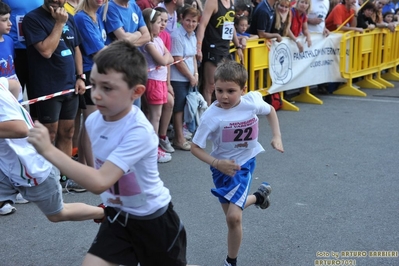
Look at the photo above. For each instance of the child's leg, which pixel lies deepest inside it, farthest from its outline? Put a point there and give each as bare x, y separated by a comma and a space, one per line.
91, 259
155, 112
251, 199
167, 110
234, 223
77, 212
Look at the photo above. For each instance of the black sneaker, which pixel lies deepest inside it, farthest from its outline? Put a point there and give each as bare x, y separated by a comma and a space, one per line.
264, 190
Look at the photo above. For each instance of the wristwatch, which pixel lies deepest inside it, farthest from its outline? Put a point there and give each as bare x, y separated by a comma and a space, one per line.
239, 46
81, 76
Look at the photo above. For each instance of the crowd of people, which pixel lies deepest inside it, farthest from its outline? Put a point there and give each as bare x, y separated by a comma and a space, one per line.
137, 61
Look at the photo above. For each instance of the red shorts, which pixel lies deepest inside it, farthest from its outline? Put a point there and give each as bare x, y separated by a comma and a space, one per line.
156, 92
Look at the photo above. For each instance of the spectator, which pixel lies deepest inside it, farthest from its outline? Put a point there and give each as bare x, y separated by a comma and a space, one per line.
143, 4
184, 74
243, 10
124, 21
7, 68
214, 33
388, 7
380, 23
92, 29
156, 93
23, 169
167, 108
263, 20
365, 15
282, 22
299, 21
197, 4
388, 17
18, 10
317, 15
241, 25
340, 14
171, 6
53, 42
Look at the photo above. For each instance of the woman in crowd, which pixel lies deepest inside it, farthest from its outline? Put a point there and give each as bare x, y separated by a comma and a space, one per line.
184, 75
91, 28
365, 16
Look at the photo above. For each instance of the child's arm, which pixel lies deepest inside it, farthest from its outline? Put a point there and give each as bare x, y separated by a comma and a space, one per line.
253, 37
14, 87
94, 180
228, 167
161, 60
13, 129
272, 118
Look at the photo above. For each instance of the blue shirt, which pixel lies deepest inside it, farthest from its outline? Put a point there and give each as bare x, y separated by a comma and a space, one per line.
93, 37
7, 68
183, 45
262, 18
19, 8
56, 73
129, 18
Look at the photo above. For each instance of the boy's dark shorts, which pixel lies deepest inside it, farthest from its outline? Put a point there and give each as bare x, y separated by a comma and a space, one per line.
158, 241
63, 107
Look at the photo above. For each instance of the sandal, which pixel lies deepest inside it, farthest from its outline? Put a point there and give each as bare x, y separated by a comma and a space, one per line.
185, 146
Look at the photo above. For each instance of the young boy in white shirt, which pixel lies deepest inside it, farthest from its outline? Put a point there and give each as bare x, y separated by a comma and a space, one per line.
25, 171
141, 225
231, 123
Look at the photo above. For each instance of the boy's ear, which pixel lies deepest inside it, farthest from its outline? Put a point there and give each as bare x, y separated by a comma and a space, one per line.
138, 91
244, 90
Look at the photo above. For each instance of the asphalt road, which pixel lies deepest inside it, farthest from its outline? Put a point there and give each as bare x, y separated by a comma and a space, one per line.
335, 191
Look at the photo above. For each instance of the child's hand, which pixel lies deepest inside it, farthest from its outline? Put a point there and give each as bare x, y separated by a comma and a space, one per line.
39, 137
227, 167
277, 144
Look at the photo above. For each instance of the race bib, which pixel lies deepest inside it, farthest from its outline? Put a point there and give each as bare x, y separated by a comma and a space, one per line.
228, 30
240, 135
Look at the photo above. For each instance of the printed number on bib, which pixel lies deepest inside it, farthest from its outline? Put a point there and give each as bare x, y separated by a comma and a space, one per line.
228, 30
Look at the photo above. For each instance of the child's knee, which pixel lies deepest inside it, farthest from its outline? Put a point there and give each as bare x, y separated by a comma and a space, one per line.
233, 219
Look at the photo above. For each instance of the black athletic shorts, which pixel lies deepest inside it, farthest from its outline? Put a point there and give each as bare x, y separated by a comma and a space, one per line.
63, 107
157, 241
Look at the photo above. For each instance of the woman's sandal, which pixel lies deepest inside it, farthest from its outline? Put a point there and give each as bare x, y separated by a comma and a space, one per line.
185, 146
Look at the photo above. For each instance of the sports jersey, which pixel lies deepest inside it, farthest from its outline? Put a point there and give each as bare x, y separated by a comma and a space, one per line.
234, 131
131, 144
19, 160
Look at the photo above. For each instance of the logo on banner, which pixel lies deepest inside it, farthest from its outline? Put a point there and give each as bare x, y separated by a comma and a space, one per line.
282, 64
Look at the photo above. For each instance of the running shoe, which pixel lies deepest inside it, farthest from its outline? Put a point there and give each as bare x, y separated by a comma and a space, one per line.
20, 200
7, 209
264, 190
166, 145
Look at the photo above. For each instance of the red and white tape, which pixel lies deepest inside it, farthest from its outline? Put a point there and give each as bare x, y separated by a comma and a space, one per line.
53, 95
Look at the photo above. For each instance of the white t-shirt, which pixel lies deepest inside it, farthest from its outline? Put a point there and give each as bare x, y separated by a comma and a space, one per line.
319, 8
234, 132
132, 145
19, 160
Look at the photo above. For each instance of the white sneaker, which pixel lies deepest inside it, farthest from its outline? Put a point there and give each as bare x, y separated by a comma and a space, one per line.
7, 209
20, 199
165, 145
163, 157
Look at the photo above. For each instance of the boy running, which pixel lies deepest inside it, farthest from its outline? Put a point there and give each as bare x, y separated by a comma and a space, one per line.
141, 225
231, 123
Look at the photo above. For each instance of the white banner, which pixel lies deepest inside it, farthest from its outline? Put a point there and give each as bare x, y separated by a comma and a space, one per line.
317, 64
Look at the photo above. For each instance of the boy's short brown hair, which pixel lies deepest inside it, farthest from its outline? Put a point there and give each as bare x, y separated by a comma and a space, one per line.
123, 57
229, 70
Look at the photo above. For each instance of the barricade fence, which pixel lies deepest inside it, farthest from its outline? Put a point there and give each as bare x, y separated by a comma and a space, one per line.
370, 58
